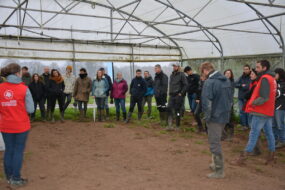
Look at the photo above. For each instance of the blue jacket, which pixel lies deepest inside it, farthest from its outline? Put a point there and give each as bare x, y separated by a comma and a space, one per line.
100, 88
217, 98
28, 99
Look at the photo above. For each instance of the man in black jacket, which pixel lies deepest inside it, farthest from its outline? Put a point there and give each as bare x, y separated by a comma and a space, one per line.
243, 86
193, 85
177, 90
137, 90
160, 93
45, 78
106, 76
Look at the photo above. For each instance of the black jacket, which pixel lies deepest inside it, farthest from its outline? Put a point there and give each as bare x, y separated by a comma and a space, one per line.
109, 82
160, 84
55, 88
193, 83
243, 80
138, 87
178, 84
280, 96
37, 90
45, 78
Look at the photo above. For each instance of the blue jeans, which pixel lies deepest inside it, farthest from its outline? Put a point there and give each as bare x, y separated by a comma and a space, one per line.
13, 157
279, 126
192, 101
120, 104
242, 115
258, 123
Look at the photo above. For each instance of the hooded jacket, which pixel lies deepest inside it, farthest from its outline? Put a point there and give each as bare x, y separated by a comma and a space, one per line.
242, 90
178, 83
217, 98
138, 87
82, 89
149, 84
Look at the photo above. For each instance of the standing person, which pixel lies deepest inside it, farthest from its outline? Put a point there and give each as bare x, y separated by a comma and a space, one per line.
137, 90
56, 88
37, 89
198, 111
69, 82
109, 80
216, 105
82, 89
229, 129
15, 103
119, 90
243, 86
160, 93
193, 86
26, 76
149, 93
177, 90
261, 106
279, 118
100, 87
46, 76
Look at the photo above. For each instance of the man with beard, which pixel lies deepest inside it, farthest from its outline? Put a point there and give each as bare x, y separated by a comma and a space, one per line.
177, 90
82, 89
26, 76
243, 86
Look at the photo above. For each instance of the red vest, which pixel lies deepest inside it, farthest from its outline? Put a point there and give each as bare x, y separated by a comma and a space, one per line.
268, 107
13, 115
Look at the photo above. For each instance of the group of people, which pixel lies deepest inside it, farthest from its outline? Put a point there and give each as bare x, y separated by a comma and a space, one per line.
261, 99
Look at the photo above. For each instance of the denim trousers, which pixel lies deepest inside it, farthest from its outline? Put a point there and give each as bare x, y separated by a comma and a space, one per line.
120, 103
192, 101
14, 150
242, 115
258, 123
279, 126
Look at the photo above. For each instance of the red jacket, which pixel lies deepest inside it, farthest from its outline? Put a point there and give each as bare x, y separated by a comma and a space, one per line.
13, 115
119, 89
268, 107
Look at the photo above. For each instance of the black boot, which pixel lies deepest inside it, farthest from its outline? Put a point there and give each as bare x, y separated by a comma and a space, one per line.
125, 116
118, 116
218, 167
62, 116
129, 117
48, 115
178, 118
100, 115
52, 117
140, 116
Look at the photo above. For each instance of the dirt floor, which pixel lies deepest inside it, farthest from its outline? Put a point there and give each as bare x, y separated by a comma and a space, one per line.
88, 156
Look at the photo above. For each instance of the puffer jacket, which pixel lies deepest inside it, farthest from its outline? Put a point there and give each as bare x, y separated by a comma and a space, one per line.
217, 98
178, 84
69, 82
100, 88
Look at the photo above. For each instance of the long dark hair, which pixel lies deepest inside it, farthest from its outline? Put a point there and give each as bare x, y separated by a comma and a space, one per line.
281, 73
33, 77
232, 74
53, 70
10, 69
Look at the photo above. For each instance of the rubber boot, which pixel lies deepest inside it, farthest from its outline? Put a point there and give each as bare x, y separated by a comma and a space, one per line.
177, 121
129, 117
212, 166
117, 116
231, 133
100, 115
140, 116
107, 114
48, 115
270, 158
240, 161
169, 123
125, 116
218, 167
62, 117
52, 117
85, 114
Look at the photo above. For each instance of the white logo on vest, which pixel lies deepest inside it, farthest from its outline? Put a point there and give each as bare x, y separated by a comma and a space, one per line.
8, 94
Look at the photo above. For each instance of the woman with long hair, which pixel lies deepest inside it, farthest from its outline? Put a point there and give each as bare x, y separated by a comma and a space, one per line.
279, 117
16, 103
100, 87
229, 129
37, 89
56, 88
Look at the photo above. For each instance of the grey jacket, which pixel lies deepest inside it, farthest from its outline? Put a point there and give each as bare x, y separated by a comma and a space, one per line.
178, 84
29, 103
217, 98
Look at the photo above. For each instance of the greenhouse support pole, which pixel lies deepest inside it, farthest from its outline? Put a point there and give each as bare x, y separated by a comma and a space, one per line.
73, 54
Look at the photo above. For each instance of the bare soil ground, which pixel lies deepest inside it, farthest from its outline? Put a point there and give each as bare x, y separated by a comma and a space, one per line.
88, 156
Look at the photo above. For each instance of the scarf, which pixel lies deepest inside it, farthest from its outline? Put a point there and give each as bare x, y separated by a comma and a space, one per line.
58, 79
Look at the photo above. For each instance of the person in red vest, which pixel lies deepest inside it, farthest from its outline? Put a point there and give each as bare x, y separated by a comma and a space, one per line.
15, 103
261, 106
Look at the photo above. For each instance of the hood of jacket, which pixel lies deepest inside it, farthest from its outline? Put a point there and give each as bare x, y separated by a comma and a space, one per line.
217, 75
14, 79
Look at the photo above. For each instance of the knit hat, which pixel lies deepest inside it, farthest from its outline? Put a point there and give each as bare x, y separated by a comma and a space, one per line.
69, 67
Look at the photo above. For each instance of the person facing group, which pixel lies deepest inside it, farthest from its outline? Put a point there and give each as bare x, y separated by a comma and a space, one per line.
16, 103
81, 93
100, 90
119, 90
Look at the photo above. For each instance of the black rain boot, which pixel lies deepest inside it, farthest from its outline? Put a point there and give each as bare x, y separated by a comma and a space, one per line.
218, 167
129, 117
140, 116
62, 117
100, 115
169, 123
52, 117
125, 116
117, 116
178, 118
